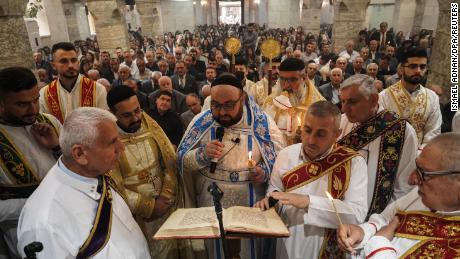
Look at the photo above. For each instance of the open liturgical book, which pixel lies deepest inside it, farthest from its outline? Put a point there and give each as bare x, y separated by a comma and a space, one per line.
238, 221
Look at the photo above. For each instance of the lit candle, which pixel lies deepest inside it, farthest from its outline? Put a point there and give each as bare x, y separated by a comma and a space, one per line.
251, 163
333, 205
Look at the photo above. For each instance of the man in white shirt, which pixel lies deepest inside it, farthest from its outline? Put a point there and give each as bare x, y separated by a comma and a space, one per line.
71, 89
410, 100
29, 147
76, 211
425, 222
131, 63
300, 178
349, 53
387, 142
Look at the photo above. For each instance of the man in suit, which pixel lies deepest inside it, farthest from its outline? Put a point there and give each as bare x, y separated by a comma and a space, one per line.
194, 107
330, 91
374, 54
150, 85
182, 81
383, 37
312, 73
178, 104
357, 67
198, 65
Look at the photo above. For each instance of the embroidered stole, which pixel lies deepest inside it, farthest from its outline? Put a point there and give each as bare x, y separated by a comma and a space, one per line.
87, 98
391, 128
439, 235
337, 165
100, 232
18, 169
412, 110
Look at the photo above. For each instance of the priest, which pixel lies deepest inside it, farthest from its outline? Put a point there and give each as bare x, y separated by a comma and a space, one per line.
290, 99
249, 136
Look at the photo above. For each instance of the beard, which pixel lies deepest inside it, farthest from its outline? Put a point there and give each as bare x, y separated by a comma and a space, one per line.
132, 128
227, 120
415, 80
25, 120
70, 74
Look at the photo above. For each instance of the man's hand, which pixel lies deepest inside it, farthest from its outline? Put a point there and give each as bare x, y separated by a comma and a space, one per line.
214, 149
45, 135
388, 231
349, 235
262, 204
257, 176
162, 206
297, 200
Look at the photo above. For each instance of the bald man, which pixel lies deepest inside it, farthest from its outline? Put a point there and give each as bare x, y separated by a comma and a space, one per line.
178, 103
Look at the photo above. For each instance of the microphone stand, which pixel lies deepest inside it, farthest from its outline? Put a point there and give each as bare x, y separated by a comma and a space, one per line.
31, 249
217, 194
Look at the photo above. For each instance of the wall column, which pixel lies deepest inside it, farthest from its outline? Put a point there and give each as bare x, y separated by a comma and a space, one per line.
110, 24
13, 35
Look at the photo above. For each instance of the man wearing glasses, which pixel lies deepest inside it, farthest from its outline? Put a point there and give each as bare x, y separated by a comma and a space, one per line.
425, 222
146, 170
291, 97
247, 130
409, 99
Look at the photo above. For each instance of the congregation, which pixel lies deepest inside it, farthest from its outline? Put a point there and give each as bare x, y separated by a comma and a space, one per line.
100, 148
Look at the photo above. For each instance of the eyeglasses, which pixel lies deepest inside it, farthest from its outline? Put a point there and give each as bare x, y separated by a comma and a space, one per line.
423, 174
228, 106
288, 79
415, 66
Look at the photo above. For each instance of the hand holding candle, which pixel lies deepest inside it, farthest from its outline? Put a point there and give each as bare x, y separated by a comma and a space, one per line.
251, 163
333, 205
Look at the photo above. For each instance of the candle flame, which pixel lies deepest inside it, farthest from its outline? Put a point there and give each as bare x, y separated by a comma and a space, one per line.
329, 195
299, 120
250, 155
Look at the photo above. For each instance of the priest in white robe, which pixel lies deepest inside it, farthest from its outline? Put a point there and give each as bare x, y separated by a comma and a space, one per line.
425, 222
77, 212
412, 101
247, 130
29, 148
387, 142
290, 99
302, 175
71, 89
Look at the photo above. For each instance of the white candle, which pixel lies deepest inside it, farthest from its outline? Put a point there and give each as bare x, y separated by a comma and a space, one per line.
333, 205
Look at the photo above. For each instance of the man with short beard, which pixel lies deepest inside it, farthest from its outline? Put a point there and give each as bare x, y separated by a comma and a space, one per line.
71, 89
246, 129
291, 97
29, 141
412, 101
148, 154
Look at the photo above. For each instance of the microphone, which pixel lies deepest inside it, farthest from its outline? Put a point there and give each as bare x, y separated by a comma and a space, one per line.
219, 135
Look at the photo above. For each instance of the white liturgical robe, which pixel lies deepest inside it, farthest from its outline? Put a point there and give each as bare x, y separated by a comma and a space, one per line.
371, 152
430, 111
61, 213
373, 244
69, 101
40, 160
306, 227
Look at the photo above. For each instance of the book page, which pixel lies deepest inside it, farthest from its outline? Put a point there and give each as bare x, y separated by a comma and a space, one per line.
190, 223
247, 219
192, 218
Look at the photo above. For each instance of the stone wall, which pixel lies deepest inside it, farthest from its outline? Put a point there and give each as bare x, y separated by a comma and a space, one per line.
311, 15
56, 20
440, 57
177, 15
349, 16
149, 11
283, 14
13, 35
77, 20
110, 24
